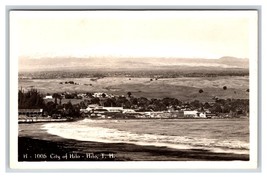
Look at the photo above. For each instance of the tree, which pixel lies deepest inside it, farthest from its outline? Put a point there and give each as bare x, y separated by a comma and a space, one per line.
57, 96
109, 102
166, 101
83, 105
143, 101
129, 94
95, 101
200, 91
226, 108
206, 105
32, 99
225, 87
103, 95
69, 96
196, 104
127, 104
134, 101
121, 101
89, 95
216, 108
71, 110
50, 108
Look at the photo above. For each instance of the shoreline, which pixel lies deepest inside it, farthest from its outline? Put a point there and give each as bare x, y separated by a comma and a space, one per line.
30, 120
35, 144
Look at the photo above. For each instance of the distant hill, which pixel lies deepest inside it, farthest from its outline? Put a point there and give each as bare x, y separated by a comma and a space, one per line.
70, 63
231, 61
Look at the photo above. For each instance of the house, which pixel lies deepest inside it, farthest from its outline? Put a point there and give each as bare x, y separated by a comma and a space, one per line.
190, 114
201, 115
97, 110
48, 97
177, 114
91, 107
113, 109
128, 111
156, 114
100, 95
31, 112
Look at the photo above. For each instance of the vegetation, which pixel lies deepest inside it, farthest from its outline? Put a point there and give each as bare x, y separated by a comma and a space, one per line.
34, 100
31, 99
168, 73
129, 94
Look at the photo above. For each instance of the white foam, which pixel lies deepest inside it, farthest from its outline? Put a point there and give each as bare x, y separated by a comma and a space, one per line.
83, 132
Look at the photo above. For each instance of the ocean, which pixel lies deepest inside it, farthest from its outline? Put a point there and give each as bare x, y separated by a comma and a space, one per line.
215, 135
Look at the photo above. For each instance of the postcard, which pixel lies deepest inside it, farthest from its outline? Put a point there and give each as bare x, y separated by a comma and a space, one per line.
133, 89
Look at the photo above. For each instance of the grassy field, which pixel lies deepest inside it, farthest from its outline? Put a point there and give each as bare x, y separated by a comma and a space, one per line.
185, 89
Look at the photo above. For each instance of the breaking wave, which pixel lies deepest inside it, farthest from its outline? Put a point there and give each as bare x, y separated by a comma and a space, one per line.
83, 131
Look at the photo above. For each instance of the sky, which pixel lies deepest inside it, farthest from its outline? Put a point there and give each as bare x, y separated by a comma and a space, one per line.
187, 34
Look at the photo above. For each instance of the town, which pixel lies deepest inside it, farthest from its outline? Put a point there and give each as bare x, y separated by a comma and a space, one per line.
66, 106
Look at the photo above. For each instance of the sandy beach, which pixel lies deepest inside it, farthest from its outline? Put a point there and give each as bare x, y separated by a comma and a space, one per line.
35, 144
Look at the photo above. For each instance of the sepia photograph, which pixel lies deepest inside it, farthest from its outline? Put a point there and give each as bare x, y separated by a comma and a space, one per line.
139, 86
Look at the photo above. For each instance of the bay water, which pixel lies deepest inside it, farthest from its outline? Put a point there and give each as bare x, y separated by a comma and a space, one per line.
215, 135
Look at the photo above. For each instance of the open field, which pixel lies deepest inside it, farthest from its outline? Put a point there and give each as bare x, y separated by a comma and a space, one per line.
184, 88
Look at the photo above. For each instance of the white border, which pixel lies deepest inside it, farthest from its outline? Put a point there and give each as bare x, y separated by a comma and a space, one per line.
252, 164
144, 2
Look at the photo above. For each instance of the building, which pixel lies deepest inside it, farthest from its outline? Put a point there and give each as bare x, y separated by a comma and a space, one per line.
128, 111
177, 114
113, 109
91, 107
190, 114
48, 97
156, 114
94, 107
201, 115
99, 111
195, 114
31, 112
100, 95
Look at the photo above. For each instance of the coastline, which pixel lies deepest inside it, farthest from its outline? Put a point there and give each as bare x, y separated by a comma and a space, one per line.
35, 144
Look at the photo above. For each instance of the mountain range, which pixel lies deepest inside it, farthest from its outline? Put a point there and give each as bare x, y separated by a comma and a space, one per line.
111, 63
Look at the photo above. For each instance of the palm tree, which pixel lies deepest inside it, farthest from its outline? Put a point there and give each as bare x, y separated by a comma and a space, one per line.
56, 96
60, 99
